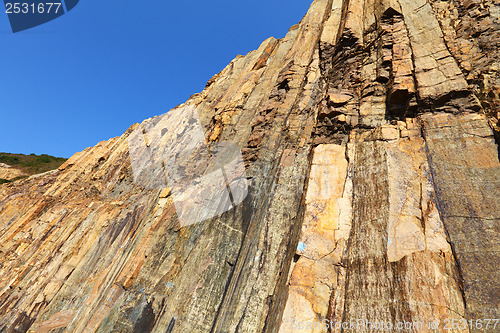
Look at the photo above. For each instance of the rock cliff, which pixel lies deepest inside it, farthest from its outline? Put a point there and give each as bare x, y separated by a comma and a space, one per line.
369, 136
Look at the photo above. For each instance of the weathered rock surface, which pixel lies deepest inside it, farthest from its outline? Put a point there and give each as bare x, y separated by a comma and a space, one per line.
9, 173
370, 139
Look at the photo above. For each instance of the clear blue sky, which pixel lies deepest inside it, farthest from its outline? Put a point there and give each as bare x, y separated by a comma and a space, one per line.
90, 74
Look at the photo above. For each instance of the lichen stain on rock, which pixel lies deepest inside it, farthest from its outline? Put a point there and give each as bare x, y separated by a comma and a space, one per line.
368, 136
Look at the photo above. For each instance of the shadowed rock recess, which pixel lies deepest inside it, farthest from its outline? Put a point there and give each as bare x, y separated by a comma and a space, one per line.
368, 135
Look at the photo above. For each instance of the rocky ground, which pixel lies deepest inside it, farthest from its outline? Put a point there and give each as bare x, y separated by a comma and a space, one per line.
18, 166
368, 134
8, 172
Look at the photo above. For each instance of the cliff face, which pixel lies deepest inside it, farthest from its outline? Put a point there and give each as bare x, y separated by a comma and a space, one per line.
368, 137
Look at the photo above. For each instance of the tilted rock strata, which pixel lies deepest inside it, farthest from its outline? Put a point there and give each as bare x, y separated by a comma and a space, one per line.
368, 134
8, 172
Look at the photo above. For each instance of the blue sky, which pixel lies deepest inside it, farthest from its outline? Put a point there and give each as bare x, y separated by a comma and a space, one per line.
90, 74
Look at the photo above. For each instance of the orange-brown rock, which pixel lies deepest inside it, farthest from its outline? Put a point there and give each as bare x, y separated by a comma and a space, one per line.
8, 172
369, 136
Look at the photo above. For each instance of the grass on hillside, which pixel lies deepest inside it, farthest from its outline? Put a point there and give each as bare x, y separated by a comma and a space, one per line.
3, 181
31, 164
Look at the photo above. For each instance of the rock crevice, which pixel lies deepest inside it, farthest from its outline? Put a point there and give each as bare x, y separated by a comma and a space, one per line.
368, 139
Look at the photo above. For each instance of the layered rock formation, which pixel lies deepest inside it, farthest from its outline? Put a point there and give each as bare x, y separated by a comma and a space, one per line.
368, 136
8, 172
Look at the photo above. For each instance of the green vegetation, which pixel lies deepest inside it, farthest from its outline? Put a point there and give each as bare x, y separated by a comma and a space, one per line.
31, 164
3, 181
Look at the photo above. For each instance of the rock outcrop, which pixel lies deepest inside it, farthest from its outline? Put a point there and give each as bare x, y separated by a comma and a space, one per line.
9, 173
369, 135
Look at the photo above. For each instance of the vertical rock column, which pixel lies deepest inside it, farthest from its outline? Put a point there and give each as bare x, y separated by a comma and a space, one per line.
466, 171
318, 269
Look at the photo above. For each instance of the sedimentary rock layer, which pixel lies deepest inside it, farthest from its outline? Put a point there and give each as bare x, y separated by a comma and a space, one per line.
368, 136
9, 173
